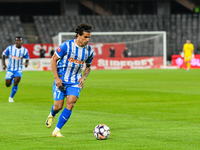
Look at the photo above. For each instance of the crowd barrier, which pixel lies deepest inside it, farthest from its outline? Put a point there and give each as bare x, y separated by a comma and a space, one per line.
43, 64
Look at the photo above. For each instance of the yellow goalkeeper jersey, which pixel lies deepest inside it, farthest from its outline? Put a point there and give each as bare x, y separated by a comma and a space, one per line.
188, 49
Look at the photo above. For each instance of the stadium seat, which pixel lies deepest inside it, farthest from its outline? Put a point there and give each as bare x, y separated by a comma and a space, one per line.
10, 27
179, 27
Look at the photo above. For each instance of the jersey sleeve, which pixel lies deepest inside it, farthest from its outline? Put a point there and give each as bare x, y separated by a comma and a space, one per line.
61, 50
90, 58
26, 54
184, 46
6, 51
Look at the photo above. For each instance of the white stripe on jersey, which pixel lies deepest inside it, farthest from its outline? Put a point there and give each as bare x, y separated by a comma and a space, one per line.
16, 64
12, 60
65, 57
69, 63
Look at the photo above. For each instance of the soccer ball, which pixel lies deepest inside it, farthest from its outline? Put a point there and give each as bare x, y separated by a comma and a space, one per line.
101, 132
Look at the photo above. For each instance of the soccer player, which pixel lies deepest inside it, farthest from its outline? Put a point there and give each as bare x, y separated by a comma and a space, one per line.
15, 54
188, 51
67, 63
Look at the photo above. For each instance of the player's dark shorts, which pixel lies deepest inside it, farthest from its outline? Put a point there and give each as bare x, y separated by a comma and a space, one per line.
12, 74
69, 89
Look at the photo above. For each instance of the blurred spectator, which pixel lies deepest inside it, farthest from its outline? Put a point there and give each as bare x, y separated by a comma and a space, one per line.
112, 51
42, 52
52, 51
126, 52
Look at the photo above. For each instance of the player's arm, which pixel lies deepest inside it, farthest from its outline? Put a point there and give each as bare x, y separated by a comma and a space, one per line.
193, 53
4, 62
54, 60
183, 52
26, 63
85, 74
87, 71
26, 58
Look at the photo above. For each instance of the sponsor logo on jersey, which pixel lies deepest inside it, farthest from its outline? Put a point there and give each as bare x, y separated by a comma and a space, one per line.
15, 57
75, 61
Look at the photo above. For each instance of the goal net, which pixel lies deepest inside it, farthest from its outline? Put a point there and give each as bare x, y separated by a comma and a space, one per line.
148, 45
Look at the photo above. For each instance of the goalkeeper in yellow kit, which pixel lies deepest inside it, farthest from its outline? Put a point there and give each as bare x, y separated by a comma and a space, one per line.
188, 51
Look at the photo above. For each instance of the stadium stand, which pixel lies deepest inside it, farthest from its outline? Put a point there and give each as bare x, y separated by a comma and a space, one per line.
10, 26
178, 27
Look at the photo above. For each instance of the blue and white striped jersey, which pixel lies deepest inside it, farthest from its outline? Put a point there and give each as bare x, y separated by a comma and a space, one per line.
72, 58
15, 56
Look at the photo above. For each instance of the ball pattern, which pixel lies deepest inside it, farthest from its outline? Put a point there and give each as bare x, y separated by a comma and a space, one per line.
101, 132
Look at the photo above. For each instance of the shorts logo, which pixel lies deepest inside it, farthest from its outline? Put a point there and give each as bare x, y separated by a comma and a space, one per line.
59, 49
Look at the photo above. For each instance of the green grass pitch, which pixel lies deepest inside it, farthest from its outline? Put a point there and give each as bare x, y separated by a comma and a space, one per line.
145, 110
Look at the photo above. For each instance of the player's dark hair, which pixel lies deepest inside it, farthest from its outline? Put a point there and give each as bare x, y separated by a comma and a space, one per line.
18, 37
83, 27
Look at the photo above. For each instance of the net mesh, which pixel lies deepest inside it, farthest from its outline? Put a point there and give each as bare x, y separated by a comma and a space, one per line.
138, 45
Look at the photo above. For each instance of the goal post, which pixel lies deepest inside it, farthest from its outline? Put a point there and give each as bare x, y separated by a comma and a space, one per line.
141, 44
